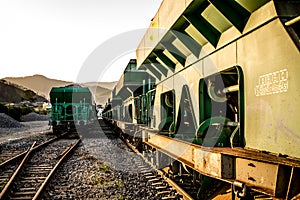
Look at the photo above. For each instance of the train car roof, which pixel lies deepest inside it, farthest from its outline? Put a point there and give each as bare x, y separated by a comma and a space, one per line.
185, 31
131, 80
69, 89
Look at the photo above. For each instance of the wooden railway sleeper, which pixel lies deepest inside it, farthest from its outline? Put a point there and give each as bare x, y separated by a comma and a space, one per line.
32, 181
157, 184
155, 180
15, 174
170, 197
26, 189
143, 168
35, 172
161, 188
29, 193
34, 178
162, 193
21, 198
147, 174
150, 177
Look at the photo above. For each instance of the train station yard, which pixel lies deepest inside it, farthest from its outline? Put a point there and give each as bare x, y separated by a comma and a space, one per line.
207, 109
101, 167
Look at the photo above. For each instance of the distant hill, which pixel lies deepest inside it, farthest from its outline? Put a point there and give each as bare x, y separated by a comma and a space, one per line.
38, 83
42, 86
12, 93
106, 85
101, 94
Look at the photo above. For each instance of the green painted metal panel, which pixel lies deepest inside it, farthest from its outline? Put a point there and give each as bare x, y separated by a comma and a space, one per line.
233, 11
188, 41
180, 57
156, 73
252, 5
135, 76
159, 66
59, 95
216, 18
167, 61
70, 103
131, 65
205, 28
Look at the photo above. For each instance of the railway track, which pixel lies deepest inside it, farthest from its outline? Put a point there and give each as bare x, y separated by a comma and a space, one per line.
26, 175
163, 187
157, 179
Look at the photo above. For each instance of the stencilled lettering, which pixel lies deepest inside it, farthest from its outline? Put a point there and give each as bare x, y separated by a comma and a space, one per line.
272, 83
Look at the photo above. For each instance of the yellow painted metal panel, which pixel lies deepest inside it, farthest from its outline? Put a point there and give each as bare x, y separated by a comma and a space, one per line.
180, 46
169, 12
223, 59
164, 19
216, 18
140, 53
180, 82
192, 75
271, 69
168, 84
170, 56
196, 35
265, 13
187, 2
230, 34
251, 5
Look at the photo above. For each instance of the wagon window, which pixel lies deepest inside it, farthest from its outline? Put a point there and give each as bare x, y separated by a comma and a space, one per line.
167, 112
220, 107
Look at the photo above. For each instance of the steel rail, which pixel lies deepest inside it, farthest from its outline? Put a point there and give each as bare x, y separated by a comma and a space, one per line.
184, 194
20, 155
26, 155
12, 178
48, 178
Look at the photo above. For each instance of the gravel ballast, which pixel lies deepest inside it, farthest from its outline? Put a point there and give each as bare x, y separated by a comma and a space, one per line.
34, 117
8, 122
100, 168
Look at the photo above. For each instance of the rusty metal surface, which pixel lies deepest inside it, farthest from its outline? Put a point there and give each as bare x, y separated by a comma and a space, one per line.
163, 141
266, 173
257, 173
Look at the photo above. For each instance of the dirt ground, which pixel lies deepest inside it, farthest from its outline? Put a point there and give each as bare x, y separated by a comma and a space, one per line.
30, 129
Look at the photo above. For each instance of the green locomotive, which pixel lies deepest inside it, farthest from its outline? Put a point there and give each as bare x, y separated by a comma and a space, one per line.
71, 106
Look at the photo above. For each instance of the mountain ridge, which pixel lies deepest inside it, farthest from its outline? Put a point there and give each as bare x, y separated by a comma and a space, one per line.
13, 93
42, 86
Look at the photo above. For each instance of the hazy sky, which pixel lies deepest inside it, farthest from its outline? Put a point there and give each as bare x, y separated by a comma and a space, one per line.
56, 37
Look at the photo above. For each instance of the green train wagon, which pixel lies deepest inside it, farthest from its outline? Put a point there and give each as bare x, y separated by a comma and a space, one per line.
71, 106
